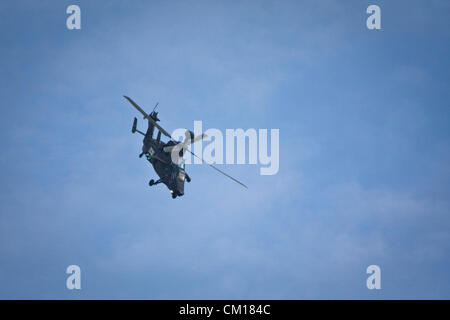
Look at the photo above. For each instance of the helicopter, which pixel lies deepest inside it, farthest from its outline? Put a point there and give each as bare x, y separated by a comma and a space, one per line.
167, 157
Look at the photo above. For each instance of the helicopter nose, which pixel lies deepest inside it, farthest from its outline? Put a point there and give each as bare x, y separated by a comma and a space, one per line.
180, 188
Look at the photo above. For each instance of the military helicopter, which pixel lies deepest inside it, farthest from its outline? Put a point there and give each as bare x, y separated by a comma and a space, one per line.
167, 157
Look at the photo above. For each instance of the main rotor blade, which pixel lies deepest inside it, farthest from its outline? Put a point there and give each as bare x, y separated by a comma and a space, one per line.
136, 106
190, 139
198, 138
187, 141
146, 116
217, 169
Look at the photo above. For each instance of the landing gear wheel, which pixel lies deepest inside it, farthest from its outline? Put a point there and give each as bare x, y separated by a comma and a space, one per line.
174, 195
152, 182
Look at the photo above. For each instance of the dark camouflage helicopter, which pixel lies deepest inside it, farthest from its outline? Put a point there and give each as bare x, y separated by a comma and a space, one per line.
167, 157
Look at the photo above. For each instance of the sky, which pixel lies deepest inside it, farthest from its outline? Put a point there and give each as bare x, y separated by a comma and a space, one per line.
363, 117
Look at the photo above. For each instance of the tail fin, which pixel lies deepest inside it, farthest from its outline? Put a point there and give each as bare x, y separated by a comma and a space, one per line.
133, 129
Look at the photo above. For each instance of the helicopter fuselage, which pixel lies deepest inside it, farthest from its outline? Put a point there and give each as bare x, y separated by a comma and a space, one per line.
169, 173
159, 153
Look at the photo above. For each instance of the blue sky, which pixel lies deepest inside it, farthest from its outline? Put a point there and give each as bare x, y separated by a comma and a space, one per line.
364, 149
